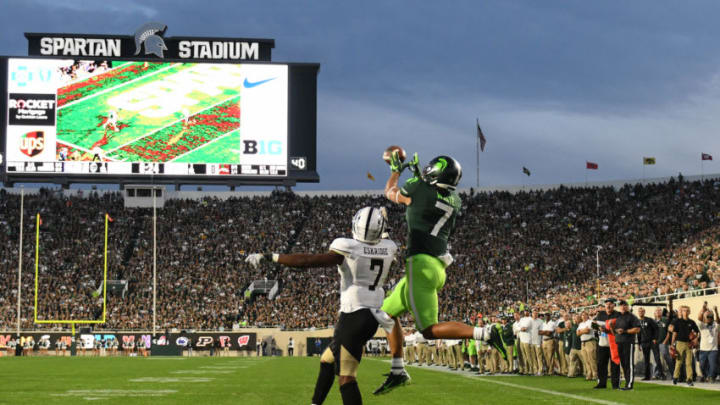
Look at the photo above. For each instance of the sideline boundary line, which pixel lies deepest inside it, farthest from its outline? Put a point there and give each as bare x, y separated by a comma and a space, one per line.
518, 386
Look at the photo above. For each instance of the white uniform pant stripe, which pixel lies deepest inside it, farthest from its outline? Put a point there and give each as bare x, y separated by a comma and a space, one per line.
416, 314
631, 378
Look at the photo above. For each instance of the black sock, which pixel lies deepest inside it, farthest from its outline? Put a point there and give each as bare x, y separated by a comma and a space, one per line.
324, 382
351, 393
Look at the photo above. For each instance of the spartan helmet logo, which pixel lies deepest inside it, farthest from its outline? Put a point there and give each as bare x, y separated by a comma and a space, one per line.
150, 35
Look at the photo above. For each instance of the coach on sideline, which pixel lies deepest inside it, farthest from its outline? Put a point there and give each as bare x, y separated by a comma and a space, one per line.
603, 356
627, 326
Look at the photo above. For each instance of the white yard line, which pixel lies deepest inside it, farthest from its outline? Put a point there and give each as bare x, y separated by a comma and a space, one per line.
117, 87
170, 124
518, 386
544, 391
84, 150
74, 146
202, 146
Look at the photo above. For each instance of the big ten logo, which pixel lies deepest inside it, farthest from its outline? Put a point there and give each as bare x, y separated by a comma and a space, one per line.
243, 340
4, 340
252, 147
204, 341
225, 341
106, 338
145, 341
23, 76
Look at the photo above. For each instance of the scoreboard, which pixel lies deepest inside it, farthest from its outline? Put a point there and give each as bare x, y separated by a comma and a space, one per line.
154, 120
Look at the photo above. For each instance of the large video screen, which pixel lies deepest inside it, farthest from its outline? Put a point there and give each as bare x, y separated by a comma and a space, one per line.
128, 118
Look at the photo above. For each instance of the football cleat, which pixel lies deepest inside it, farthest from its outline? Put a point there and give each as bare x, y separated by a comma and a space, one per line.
392, 381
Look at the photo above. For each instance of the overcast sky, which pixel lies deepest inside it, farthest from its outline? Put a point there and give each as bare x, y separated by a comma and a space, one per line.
553, 83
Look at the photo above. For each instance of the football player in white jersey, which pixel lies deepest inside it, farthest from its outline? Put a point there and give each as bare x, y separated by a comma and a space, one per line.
363, 263
111, 122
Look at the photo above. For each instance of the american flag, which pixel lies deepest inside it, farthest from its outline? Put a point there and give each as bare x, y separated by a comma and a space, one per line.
481, 136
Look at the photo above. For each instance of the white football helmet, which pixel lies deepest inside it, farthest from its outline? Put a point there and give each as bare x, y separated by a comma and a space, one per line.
368, 225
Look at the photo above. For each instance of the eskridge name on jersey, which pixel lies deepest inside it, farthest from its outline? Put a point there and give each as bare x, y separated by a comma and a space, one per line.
363, 272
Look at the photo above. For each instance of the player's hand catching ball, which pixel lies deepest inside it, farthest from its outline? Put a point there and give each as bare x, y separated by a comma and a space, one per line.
395, 156
413, 164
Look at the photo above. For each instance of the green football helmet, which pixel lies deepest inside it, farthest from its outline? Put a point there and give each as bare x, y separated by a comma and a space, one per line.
443, 172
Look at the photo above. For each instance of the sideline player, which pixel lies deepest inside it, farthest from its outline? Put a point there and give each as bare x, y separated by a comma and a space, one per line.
111, 123
432, 207
363, 263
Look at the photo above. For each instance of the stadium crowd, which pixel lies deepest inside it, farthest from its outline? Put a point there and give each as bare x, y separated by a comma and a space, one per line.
528, 249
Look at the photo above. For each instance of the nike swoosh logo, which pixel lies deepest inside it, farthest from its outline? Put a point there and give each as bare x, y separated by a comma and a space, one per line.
248, 85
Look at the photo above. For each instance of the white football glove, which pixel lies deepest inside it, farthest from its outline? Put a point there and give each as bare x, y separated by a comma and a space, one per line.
254, 259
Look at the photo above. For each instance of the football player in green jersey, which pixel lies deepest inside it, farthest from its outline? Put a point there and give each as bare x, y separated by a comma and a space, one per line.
432, 208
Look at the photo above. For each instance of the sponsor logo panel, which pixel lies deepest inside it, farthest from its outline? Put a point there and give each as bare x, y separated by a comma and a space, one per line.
31, 109
30, 143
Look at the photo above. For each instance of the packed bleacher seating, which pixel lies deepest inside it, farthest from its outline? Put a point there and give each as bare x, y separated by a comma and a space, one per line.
534, 247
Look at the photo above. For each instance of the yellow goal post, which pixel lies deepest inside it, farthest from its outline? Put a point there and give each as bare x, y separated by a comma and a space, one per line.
37, 262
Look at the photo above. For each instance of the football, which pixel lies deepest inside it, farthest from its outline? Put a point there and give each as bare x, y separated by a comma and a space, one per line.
388, 152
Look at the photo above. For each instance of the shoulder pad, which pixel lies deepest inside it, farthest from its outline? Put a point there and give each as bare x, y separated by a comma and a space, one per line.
343, 246
389, 244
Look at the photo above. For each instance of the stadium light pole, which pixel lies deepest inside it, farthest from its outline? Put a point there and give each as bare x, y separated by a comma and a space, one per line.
20, 249
154, 260
597, 268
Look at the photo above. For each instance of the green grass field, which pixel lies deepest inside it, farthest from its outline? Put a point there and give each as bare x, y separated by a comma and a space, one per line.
204, 380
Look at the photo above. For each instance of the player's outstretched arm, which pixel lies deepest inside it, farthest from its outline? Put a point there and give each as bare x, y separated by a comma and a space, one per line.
297, 259
392, 191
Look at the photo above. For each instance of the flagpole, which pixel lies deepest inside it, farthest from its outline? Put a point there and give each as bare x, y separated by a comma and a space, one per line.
643, 170
702, 169
22, 213
477, 160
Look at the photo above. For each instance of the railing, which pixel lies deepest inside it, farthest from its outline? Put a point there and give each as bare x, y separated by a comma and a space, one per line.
664, 297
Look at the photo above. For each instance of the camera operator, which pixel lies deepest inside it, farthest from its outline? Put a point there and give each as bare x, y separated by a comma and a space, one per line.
648, 342
603, 357
627, 326
681, 328
708, 353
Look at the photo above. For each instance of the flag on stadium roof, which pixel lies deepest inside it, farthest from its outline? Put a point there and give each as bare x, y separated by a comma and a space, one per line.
526, 170
705, 156
648, 160
370, 176
591, 165
481, 136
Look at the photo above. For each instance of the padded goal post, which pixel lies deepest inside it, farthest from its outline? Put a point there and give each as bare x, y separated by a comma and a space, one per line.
104, 282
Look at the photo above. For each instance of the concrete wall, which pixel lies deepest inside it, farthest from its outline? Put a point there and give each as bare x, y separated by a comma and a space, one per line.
223, 195
695, 304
